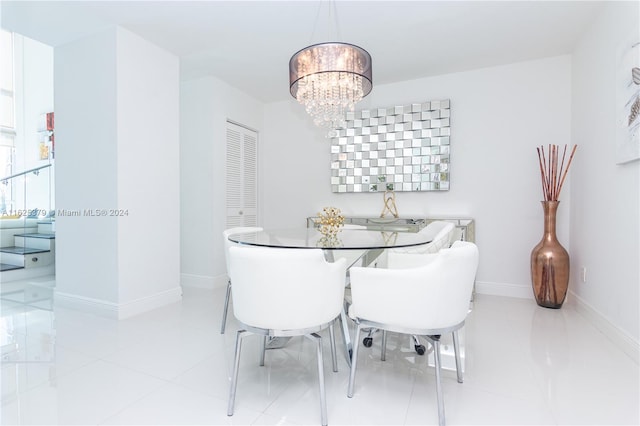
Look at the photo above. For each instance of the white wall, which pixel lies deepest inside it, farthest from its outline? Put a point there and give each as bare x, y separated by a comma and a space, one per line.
117, 124
605, 219
498, 117
148, 171
205, 106
86, 160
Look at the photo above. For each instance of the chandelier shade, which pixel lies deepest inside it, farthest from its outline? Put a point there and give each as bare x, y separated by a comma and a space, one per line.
329, 79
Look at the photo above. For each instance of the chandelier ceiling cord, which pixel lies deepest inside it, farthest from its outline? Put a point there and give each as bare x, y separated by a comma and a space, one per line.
328, 79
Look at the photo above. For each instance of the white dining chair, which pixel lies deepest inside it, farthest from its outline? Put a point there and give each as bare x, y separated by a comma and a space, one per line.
441, 234
427, 301
280, 292
228, 243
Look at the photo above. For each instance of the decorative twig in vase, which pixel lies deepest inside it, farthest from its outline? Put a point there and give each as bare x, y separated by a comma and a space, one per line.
549, 260
552, 177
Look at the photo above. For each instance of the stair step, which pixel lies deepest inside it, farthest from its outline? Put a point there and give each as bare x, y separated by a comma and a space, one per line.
25, 273
29, 257
42, 241
7, 267
22, 250
46, 227
38, 235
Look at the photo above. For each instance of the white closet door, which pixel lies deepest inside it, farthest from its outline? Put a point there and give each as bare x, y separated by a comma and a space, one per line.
241, 176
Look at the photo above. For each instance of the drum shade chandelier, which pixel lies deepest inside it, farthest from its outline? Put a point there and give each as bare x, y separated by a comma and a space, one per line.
328, 79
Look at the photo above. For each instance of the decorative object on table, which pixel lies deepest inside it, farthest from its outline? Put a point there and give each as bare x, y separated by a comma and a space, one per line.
329, 241
389, 198
628, 100
549, 260
330, 221
403, 148
329, 79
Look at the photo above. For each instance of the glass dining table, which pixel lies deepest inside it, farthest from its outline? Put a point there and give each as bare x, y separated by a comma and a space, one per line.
356, 245
346, 239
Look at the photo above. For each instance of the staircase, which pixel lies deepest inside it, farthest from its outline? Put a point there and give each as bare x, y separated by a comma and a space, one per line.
32, 253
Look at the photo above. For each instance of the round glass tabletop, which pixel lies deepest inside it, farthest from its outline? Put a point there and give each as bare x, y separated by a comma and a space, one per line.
346, 239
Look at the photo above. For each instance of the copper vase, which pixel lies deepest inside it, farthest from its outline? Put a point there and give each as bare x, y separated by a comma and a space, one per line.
550, 263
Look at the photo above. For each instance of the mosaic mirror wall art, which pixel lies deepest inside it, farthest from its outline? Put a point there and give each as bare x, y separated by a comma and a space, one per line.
402, 148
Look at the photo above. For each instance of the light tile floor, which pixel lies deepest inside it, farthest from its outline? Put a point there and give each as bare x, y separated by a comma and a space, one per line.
524, 365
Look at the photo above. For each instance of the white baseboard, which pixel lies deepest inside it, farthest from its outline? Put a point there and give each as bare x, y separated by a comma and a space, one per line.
117, 310
203, 281
602, 323
503, 289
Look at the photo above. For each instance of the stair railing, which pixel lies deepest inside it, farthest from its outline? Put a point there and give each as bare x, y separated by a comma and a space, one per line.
35, 171
24, 196
26, 203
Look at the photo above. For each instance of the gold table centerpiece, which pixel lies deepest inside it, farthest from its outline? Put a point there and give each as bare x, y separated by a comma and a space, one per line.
330, 221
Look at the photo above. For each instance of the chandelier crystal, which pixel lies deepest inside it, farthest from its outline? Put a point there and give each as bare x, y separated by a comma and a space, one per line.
328, 79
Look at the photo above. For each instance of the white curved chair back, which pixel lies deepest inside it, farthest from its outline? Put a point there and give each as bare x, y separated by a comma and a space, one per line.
228, 244
441, 233
285, 289
433, 296
408, 260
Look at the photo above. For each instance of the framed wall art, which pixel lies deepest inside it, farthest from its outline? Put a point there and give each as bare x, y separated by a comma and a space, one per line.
628, 101
401, 148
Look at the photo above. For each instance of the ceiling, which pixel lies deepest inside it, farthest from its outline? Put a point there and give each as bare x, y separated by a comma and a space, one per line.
248, 44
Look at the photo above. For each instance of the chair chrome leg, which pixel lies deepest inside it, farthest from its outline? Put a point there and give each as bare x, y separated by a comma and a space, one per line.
263, 350
383, 355
234, 375
226, 308
344, 320
323, 399
436, 355
332, 337
354, 361
456, 351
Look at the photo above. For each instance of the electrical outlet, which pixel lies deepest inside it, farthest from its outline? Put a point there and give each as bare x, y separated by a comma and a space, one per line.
583, 274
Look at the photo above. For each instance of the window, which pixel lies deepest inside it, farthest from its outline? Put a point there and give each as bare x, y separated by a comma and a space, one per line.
6, 80
7, 119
